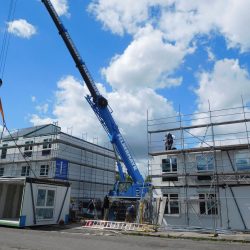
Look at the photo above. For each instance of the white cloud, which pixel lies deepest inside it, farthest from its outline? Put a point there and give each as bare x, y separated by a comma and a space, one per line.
224, 86
21, 28
130, 112
234, 22
180, 20
161, 40
33, 98
147, 62
36, 120
61, 7
210, 54
120, 16
192, 18
42, 108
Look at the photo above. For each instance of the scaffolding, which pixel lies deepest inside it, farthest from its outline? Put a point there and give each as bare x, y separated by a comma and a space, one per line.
213, 153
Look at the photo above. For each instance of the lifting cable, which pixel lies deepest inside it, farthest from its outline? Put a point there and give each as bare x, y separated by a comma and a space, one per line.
6, 39
20, 151
13, 139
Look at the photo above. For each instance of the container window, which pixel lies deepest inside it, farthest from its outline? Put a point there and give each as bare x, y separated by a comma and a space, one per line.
41, 195
45, 204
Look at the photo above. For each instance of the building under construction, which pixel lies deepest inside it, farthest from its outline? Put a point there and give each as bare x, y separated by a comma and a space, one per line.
46, 152
204, 174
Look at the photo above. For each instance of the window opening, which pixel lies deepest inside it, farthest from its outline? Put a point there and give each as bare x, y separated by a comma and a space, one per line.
205, 162
4, 151
172, 204
47, 143
45, 204
46, 147
208, 204
169, 165
44, 170
28, 148
1, 171
242, 160
25, 171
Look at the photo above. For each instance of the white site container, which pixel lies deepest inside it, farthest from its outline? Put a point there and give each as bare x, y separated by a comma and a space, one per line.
31, 202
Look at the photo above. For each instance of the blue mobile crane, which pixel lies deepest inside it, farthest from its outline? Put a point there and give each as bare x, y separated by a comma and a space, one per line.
122, 189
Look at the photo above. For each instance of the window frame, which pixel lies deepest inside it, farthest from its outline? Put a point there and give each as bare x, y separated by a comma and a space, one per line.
47, 143
171, 164
245, 155
208, 161
210, 205
45, 206
171, 200
46, 170
2, 169
27, 171
28, 148
4, 151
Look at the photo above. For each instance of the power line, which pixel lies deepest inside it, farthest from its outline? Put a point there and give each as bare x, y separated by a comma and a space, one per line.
6, 39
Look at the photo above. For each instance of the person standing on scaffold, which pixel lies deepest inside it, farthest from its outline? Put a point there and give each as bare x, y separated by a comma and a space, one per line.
169, 140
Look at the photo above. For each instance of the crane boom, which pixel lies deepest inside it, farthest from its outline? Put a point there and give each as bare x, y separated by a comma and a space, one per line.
98, 103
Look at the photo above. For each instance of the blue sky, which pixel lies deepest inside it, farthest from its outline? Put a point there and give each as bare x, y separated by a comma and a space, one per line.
153, 55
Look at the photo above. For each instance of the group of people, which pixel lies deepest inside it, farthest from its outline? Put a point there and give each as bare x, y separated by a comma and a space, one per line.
108, 212
92, 209
130, 211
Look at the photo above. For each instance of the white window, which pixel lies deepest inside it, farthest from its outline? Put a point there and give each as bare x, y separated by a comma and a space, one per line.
25, 171
242, 160
169, 165
45, 204
44, 170
205, 162
172, 204
208, 204
1, 171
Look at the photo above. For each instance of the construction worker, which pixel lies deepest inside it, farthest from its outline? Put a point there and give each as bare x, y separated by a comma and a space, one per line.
169, 141
91, 209
72, 210
130, 214
105, 208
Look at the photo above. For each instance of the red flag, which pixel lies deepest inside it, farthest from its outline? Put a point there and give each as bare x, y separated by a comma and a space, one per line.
1, 110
